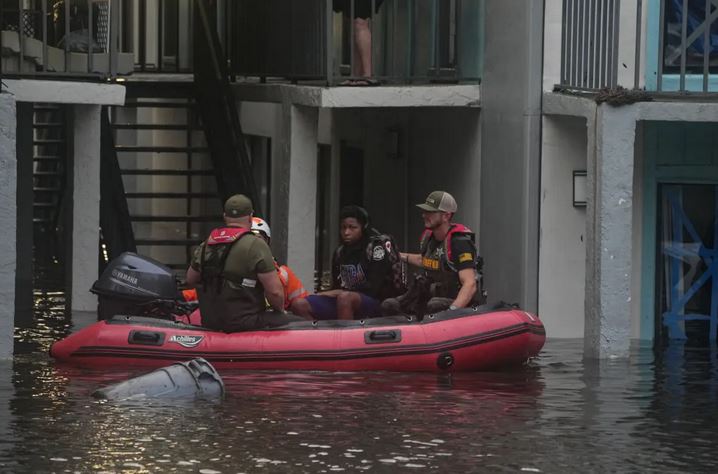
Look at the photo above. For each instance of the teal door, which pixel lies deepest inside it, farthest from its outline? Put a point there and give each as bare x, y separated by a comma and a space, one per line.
687, 266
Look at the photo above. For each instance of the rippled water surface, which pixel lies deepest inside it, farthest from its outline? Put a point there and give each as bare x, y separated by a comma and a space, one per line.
559, 414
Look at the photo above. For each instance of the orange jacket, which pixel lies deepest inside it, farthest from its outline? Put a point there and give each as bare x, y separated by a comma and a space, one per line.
190, 295
293, 288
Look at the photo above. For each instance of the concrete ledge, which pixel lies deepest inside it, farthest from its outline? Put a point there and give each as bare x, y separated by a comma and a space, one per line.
658, 110
65, 92
677, 111
464, 95
573, 106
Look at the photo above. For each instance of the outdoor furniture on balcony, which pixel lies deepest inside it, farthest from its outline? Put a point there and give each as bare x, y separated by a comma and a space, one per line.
61, 37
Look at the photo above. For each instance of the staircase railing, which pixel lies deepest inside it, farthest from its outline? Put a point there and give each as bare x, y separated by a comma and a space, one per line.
117, 234
218, 109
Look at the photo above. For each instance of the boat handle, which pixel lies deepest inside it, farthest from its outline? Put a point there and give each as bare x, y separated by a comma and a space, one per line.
379, 337
146, 338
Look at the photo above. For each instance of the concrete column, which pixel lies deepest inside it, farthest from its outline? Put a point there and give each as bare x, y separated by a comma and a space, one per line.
608, 253
86, 204
302, 202
8, 223
25, 227
510, 150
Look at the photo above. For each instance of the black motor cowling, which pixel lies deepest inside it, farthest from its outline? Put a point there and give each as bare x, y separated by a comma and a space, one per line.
135, 285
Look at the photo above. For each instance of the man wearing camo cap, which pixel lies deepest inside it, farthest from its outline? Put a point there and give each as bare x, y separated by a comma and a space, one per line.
448, 259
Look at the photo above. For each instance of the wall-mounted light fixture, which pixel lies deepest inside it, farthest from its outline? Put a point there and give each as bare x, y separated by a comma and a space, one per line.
579, 188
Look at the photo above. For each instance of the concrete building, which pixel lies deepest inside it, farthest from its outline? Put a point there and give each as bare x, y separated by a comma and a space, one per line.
571, 199
645, 163
50, 107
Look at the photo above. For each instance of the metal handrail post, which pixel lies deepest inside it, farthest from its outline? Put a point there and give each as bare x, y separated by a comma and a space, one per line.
329, 53
44, 35
67, 32
89, 37
661, 36
20, 35
160, 34
706, 46
114, 12
639, 24
684, 46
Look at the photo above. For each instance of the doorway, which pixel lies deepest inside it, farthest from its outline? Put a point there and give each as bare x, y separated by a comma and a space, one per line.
687, 263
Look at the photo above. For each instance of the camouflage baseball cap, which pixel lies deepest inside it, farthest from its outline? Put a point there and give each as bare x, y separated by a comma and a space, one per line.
238, 205
439, 201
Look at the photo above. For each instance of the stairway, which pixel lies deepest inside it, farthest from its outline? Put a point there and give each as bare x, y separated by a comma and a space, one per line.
49, 158
169, 182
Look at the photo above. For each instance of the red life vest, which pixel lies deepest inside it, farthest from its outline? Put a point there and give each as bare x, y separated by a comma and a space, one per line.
454, 229
226, 235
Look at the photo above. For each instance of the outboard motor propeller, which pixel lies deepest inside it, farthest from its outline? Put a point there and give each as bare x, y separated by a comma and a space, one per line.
194, 379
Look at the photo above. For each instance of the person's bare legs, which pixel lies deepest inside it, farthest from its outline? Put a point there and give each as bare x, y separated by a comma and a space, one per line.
362, 45
301, 307
348, 303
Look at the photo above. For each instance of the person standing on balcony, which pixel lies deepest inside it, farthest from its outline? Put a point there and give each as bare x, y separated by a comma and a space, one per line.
235, 274
451, 267
362, 59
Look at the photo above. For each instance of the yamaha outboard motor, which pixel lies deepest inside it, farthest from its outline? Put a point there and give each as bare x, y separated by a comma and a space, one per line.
136, 285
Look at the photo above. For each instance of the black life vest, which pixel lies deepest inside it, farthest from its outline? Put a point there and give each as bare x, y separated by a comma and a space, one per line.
442, 272
222, 299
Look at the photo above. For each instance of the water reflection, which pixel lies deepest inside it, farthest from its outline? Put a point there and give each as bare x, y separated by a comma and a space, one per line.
559, 414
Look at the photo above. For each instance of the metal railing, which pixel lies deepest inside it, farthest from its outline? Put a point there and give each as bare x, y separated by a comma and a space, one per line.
688, 46
165, 28
411, 40
589, 49
61, 38
681, 53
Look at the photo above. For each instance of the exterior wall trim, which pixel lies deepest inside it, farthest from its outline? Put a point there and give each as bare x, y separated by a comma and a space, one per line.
65, 92
462, 95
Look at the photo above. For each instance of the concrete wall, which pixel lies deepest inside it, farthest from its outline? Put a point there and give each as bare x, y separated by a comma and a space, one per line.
8, 222
552, 43
86, 204
562, 252
510, 150
407, 154
437, 149
265, 120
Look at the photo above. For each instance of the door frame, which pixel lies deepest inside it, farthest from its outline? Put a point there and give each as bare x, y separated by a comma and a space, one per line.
653, 175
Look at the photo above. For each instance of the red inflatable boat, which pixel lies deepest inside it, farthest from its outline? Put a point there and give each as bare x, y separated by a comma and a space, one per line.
459, 340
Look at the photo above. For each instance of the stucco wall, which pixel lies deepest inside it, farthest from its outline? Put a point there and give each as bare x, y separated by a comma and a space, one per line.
562, 251
8, 222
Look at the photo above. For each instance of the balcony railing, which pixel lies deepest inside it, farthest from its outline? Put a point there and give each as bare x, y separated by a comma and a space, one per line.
602, 45
295, 40
307, 40
590, 41
62, 38
688, 46
411, 40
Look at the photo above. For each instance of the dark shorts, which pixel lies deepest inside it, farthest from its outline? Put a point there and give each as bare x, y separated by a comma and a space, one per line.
325, 307
362, 8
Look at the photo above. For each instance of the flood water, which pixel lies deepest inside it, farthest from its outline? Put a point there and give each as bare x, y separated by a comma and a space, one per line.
656, 412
